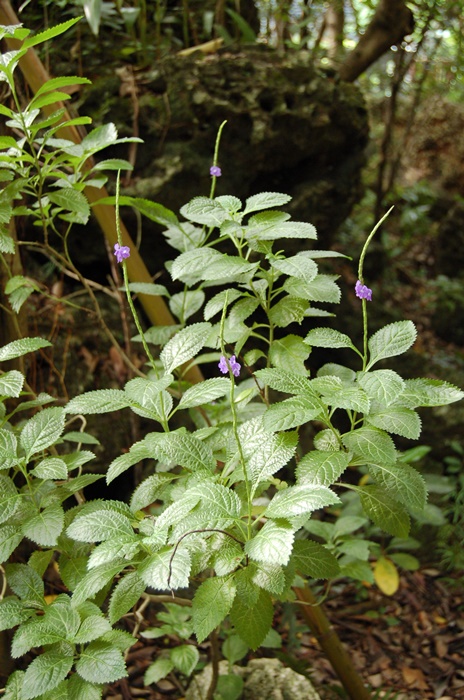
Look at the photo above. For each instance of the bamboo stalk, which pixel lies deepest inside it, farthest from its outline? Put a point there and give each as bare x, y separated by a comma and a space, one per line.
36, 75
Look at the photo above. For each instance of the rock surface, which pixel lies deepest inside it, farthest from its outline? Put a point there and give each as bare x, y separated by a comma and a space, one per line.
289, 128
264, 679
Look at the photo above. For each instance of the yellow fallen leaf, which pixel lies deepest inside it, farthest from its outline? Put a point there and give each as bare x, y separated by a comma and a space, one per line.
386, 576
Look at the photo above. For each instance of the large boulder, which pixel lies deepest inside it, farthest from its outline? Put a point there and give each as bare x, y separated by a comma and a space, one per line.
263, 679
289, 128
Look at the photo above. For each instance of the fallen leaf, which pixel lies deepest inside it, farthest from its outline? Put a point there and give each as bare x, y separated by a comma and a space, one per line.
414, 678
386, 576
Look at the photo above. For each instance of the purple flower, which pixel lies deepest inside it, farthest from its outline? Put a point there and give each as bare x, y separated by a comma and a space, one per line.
362, 291
215, 171
121, 252
224, 365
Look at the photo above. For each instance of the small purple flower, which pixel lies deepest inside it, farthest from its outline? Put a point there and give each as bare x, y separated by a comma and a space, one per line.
121, 252
215, 171
224, 365
363, 292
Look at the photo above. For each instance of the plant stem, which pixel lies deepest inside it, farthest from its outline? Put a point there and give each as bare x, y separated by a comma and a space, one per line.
331, 645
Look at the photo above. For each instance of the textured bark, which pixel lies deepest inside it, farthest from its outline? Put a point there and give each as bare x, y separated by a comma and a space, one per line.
392, 21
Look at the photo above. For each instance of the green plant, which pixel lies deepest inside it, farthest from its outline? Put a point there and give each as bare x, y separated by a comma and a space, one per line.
211, 512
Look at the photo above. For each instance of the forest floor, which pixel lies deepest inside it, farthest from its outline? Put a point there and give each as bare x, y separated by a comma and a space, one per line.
409, 646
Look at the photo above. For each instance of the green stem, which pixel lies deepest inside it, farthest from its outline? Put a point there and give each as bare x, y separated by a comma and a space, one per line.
215, 157
126, 283
360, 278
233, 409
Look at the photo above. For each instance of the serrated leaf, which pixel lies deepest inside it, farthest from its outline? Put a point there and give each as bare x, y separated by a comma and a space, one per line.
189, 266
148, 288
10, 499
113, 164
185, 658
8, 446
206, 391
166, 570
18, 348
81, 437
403, 481
321, 288
14, 686
51, 468
73, 201
109, 550
125, 595
92, 628
358, 570
61, 82
284, 381
330, 369
100, 662
313, 560
296, 500
188, 451
328, 338
384, 510
371, 444
291, 413
290, 309
79, 689
45, 673
34, 634
177, 511
383, 386
401, 421
296, 266
327, 440
157, 670
252, 622
265, 200
11, 383
48, 34
61, 618
393, 339
6, 244
347, 524
26, 583
10, 537
42, 430
222, 505
185, 304
428, 392
386, 576
99, 401
286, 229
99, 526
95, 580
154, 211
227, 266
184, 345
211, 603
203, 210
290, 351
12, 613
322, 467
72, 570
147, 491
273, 454
216, 304
272, 544
270, 577
45, 527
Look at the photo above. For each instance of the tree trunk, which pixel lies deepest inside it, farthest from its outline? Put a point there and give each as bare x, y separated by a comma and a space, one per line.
392, 21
